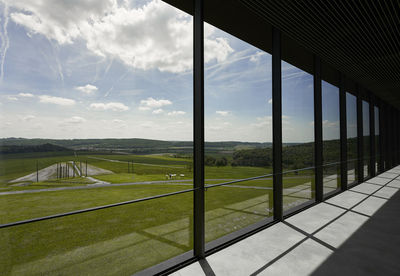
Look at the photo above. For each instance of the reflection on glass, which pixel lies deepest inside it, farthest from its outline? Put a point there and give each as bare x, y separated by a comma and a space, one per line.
366, 140
238, 134
377, 149
297, 136
331, 137
103, 107
115, 241
351, 118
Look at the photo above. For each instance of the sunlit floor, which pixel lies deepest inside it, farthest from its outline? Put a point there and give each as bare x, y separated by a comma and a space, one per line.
354, 233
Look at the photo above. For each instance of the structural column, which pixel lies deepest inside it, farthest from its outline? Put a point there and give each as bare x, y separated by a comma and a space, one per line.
318, 130
343, 135
198, 130
381, 138
277, 123
372, 149
360, 163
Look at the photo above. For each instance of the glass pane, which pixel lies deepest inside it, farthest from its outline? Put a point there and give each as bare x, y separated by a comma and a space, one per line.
331, 137
377, 145
115, 241
351, 116
366, 140
297, 135
238, 134
102, 103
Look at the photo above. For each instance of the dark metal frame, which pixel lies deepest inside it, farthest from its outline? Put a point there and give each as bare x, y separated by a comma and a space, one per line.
381, 166
360, 152
198, 131
372, 150
277, 124
343, 134
318, 155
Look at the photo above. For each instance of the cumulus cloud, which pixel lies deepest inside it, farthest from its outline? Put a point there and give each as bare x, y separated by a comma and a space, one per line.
87, 89
28, 118
153, 36
223, 112
151, 103
56, 100
114, 106
270, 101
158, 111
75, 120
176, 113
25, 95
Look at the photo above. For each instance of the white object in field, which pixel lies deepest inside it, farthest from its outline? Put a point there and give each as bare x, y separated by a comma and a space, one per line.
182, 175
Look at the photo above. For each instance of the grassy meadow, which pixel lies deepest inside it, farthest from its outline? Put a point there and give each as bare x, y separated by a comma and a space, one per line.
127, 238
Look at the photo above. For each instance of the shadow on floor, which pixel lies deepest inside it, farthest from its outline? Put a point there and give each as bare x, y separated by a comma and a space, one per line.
373, 250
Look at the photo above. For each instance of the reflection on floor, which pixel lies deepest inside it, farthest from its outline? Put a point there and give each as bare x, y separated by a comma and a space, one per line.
353, 233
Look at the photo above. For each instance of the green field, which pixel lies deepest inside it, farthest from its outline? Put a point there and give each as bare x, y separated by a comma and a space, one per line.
127, 238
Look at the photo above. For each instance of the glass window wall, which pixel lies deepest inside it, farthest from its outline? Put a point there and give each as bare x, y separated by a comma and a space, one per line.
352, 155
297, 136
331, 137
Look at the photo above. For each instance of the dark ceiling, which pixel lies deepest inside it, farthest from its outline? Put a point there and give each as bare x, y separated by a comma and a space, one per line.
359, 38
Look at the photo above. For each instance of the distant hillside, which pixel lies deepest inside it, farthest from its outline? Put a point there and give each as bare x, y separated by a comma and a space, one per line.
134, 145
7, 149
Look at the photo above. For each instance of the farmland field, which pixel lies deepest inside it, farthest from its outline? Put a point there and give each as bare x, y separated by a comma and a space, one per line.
129, 237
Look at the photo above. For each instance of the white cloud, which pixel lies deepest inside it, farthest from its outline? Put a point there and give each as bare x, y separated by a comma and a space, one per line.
56, 100
270, 101
26, 95
176, 112
327, 123
256, 57
158, 111
75, 120
153, 36
114, 106
88, 88
12, 98
263, 122
28, 118
223, 112
151, 103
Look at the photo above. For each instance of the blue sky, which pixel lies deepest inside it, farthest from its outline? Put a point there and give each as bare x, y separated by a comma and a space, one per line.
123, 69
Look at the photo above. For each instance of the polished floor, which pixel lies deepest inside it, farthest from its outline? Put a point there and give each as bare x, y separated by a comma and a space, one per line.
354, 233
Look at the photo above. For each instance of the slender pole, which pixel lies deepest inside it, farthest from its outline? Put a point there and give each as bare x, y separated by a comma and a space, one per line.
360, 154
372, 149
198, 130
86, 168
343, 134
277, 124
318, 130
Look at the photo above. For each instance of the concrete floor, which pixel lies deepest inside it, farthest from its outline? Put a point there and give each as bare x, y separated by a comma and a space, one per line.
354, 233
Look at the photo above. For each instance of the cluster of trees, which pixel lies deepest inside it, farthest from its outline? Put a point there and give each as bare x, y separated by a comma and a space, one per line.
7, 149
252, 157
212, 161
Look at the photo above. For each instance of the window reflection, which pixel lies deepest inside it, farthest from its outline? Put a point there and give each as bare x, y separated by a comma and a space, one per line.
331, 137
352, 155
238, 136
297, 136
